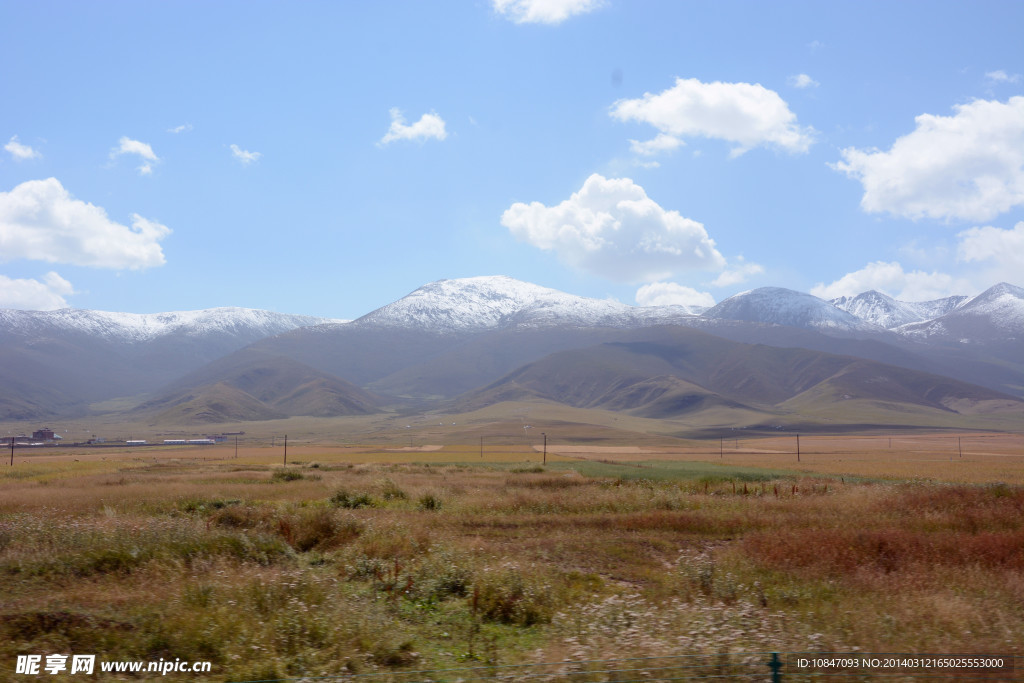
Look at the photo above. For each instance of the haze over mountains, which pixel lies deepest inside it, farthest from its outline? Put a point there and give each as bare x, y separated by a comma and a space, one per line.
767, 354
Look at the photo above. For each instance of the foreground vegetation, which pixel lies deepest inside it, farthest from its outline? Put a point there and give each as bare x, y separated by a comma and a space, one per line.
328, 568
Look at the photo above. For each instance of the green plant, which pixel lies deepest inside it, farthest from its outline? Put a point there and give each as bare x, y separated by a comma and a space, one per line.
286, 475
344, 499
428, 501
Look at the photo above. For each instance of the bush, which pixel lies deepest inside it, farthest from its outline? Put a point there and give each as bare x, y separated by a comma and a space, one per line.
389, 491
428, 501
317, 528
507, 597
352, 501
286, 475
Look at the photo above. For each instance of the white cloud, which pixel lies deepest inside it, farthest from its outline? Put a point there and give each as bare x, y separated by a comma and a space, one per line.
141, 149
613, 229
245, 156
803, 81
1000, 252
662, 143
19, 151
890, 278
737, 274
747, 115
543, 11
33, 295
1000, 76
671, 294
969, 166
40, 220
128, 146
429, 126
183, 128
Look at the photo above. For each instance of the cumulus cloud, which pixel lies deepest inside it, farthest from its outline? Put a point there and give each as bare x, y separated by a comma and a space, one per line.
672, 294
969, 166
33, 295
737, 274
40, 220
19, 151
429, 126
244, 156
890, 278
183, 128
747, 115
1000, 76
543, 11
999, 252
613, 229
803, 81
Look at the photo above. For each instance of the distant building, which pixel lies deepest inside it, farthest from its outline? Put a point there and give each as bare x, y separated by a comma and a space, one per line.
136, 442
44, 434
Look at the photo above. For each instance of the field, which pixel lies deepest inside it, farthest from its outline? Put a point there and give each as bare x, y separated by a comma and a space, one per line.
417, 552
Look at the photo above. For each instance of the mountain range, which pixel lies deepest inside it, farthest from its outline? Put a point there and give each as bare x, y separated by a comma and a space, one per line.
456, 345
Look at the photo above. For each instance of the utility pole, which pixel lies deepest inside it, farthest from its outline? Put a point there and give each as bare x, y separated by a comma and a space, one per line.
236, 446
545, 447
481, 447
798, 447
12, 451
721, 447
958, 447
286, 450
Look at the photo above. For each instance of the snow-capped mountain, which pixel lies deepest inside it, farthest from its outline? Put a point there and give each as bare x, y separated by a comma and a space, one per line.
779, 306
144, 327
996, 316
64, 360
885, 311
477, 304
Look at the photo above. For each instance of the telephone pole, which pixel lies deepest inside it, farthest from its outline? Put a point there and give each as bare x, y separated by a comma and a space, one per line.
545, 447
286, 450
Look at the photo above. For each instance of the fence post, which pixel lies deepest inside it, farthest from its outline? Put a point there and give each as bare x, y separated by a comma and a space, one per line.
775, 665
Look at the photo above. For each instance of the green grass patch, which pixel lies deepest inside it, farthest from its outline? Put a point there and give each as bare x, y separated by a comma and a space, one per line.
662, 470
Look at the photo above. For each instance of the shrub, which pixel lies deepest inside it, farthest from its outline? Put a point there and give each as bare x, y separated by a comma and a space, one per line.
507, 597
428, 501
389, 491
352, 501
286, 475
317, 528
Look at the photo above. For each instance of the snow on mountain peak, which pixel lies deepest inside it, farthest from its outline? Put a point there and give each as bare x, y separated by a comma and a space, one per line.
141, 327
883, 310
780, 306
489, 302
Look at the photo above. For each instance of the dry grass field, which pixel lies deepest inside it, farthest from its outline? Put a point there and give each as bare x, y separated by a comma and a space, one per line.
411, 554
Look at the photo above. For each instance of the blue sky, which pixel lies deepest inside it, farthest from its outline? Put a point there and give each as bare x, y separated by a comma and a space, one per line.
328, 158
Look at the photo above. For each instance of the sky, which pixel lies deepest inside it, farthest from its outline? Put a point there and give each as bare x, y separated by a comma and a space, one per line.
327, 158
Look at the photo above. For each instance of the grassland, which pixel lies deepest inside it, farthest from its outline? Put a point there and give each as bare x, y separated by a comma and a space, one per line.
408, 554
